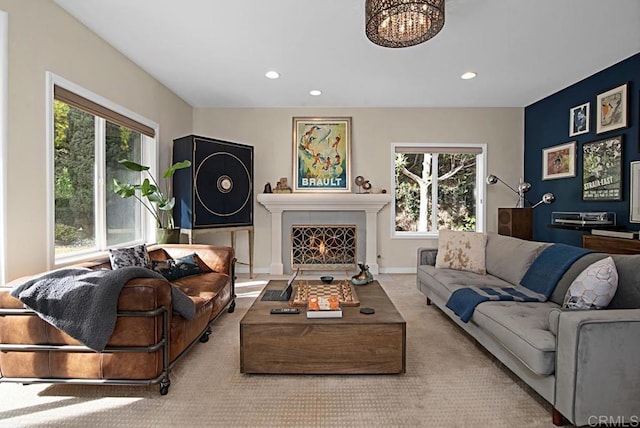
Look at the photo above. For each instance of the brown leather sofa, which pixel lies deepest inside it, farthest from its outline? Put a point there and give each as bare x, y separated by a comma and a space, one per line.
148, 338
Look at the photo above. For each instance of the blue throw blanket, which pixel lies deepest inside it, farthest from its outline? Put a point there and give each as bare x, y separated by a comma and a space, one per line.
537, 284
83, 302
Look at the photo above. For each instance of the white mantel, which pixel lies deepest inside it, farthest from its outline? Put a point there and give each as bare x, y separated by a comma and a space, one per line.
276, 203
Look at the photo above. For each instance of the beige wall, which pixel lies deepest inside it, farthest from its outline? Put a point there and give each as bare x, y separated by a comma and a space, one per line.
269, 131
43, 37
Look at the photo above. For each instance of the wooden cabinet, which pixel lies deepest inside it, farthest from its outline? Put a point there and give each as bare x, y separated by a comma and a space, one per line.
611, 245
217, 189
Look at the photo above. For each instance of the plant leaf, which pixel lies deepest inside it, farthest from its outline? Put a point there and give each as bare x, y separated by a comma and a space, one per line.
122, 189
176, 166
167, 205
133, 166
147, 189
157, 198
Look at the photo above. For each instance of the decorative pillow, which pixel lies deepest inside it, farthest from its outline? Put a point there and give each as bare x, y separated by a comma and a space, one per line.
177, 268
133, 256
594, 287
462, 251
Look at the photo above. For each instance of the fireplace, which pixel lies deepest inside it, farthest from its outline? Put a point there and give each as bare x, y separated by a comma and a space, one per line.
327, 247
280, 204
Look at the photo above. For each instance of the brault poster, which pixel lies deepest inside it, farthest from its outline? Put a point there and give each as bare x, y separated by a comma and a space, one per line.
602, 170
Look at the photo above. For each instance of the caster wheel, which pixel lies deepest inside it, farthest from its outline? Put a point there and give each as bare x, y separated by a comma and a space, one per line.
232, 307
164, 386
204, 338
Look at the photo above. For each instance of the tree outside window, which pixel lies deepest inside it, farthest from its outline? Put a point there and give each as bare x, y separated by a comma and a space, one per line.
88, 217
435, 188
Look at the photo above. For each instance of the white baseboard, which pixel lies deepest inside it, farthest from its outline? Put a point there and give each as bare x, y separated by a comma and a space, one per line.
259, 270
398, 270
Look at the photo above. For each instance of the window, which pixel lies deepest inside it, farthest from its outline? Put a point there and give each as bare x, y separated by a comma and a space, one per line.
437, 186
87, 139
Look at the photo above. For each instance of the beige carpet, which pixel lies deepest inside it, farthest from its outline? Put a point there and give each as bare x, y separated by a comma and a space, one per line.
450, 382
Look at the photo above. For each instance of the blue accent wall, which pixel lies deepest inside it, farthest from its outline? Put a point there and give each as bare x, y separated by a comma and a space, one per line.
547, 125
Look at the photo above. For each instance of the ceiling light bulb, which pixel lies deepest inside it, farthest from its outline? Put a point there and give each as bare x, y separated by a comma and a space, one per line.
468, 75
315, 92
272, 74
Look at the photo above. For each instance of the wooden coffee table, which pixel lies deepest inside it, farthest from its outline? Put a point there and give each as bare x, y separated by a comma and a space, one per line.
353, 344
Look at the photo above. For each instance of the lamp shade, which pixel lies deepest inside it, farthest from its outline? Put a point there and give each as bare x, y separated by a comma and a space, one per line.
547, 198
403, 23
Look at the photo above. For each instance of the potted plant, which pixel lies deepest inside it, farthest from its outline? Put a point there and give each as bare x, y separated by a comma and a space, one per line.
150, 190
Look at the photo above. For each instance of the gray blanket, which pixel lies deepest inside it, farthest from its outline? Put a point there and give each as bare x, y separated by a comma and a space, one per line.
83, 302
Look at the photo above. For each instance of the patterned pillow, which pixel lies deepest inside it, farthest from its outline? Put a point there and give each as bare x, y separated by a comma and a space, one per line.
177, 268
594, 287
133, 256
462, 251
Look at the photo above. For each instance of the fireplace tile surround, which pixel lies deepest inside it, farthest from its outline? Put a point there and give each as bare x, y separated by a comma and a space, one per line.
277, 203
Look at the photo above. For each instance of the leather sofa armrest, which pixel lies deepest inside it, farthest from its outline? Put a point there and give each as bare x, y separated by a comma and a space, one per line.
217, 258
139, 294
145, 294
427, 256
597, 373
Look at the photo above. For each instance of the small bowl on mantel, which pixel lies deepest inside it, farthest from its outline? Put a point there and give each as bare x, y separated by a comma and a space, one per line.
326, 279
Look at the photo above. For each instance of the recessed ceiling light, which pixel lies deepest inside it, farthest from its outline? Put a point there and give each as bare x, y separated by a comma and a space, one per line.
468, 75
272, 74
315, 92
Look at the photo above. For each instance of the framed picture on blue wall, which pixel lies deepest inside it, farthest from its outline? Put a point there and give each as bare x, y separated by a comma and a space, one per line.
634, 192
612, 110
579, 120
602, 170
559, 161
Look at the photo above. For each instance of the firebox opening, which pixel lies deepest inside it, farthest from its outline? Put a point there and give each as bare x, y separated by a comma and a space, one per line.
326, 247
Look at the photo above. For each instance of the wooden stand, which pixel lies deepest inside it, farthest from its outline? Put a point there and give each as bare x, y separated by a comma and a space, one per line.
232, 230
515, 222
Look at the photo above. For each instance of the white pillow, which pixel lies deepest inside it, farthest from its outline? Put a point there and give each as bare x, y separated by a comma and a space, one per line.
594, 287
462, 251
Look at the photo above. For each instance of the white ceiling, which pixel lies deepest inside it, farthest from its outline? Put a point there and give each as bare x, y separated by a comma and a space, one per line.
216, 52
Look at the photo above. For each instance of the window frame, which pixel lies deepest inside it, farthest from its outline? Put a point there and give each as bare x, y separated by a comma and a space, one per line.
481, 172
149, 157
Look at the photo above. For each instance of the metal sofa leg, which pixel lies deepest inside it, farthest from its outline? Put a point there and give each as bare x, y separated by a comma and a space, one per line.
428, 301
232, 306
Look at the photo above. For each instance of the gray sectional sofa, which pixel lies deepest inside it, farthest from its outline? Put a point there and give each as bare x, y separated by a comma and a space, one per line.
586, 363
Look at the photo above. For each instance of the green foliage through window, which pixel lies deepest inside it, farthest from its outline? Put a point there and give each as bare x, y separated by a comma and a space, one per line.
453, 174
75, 177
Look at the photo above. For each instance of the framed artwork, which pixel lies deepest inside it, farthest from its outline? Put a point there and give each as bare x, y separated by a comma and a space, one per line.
559, 161
602, 170
579, 120
611, 109
322, 154
634, 199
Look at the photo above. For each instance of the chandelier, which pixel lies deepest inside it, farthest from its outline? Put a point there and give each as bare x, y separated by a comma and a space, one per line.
403, 23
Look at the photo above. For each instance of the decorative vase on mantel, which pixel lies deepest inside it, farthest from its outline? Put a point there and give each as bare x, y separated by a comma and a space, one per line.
168, 236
